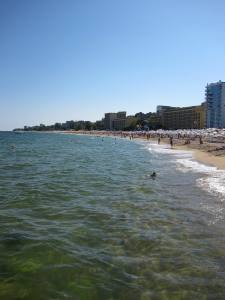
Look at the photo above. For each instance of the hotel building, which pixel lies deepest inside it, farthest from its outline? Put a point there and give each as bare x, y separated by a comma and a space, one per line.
191, 117
115, 121
215, 105
108, 121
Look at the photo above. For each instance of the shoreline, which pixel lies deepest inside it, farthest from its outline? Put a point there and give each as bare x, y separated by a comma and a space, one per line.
205, 157
206, 154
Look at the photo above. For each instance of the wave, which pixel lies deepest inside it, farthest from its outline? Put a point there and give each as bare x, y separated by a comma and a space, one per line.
211, 180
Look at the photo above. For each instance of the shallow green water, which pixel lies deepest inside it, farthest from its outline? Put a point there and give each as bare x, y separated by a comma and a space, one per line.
80, 218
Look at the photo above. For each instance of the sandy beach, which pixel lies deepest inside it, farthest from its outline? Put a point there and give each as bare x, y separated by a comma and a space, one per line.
206, 155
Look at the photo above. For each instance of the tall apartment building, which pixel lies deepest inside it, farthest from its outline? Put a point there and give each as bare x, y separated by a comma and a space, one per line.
215, 105
108, 121
191, 117
115, 121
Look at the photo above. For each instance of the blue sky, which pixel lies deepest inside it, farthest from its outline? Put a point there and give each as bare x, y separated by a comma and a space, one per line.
76, 59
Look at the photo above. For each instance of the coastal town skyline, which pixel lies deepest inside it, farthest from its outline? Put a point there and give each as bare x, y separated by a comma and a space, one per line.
209, 114
78, 60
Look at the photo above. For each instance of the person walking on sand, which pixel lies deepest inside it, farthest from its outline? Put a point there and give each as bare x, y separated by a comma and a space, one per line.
159, 140
171, 142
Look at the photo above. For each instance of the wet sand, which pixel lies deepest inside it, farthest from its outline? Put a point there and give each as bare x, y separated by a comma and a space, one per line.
206, 156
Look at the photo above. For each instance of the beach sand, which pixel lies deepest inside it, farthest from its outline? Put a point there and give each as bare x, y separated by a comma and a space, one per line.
211, 154
208, 158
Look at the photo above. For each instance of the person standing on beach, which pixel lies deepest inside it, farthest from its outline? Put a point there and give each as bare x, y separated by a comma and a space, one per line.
159, 140
171, 142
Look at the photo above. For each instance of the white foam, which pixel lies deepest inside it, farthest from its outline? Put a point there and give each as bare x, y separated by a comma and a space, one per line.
166, 149
194, 166
211, 180
214, 184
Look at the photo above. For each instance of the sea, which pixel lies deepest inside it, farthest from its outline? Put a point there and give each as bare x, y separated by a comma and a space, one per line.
82, 218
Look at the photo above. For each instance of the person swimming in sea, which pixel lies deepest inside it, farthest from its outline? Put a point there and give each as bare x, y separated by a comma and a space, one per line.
153, 175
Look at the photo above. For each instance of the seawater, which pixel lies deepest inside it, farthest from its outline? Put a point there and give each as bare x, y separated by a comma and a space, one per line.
81, 218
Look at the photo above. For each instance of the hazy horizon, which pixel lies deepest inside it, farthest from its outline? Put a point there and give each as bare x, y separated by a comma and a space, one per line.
76, 60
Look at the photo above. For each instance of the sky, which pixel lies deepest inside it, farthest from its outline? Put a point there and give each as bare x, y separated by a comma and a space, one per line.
77, 59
